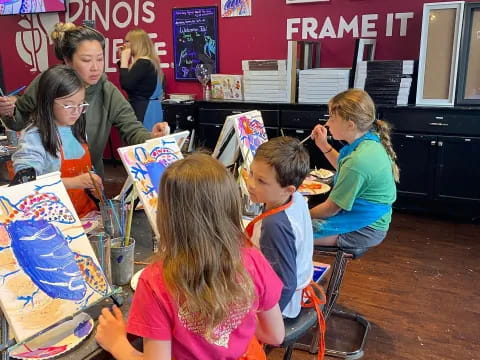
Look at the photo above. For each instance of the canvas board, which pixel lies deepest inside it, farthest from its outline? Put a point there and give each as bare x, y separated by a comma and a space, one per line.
48, 269
145, 164
437, 69
236, 8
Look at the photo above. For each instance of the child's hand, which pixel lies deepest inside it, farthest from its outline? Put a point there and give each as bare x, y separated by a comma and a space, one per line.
83, 181
111, 331
319, 134
7, 105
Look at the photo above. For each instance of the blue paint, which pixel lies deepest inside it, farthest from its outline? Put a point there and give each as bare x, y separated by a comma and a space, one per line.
155, 171
43, 253
119, 259
38, 187
83, 329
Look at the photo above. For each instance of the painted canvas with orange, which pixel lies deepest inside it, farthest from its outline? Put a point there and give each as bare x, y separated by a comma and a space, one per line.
145, 164
48, 269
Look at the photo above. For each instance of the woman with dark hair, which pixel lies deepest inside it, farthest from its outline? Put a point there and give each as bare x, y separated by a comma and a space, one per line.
82, 48
55, 140
141, 77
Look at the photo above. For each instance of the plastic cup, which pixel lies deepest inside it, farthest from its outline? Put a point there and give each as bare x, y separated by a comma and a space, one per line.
12, 137
122, 258
113, 218
101, 244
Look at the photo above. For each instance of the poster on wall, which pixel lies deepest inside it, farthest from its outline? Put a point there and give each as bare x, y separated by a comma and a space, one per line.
195, 38
12, 7
304, 1
233, 8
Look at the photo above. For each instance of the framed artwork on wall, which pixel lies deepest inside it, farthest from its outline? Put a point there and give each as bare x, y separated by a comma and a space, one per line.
195, 40
439, 50
468, 82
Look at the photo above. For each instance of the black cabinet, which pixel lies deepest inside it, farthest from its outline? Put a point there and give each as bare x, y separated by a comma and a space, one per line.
416, 159
458, 170
438, 151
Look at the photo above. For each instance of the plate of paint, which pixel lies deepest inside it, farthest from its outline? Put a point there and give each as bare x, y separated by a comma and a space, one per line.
56, 341
135, 278
311, 187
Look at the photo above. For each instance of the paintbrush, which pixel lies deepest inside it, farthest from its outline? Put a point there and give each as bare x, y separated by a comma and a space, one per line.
308, 137
1, 92
129, 217
97, 189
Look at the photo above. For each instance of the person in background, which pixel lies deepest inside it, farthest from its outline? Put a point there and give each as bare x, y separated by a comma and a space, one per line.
284, 231
141, 77
82, 48
209, 293
358, 211
55, 140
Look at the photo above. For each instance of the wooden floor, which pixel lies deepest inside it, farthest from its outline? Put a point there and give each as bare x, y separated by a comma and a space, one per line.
420, 289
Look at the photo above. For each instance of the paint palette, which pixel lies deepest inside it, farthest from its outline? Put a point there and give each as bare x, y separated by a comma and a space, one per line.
310, 187
135, 278
58, 340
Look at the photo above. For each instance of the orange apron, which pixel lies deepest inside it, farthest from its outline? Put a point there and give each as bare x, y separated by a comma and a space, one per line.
73, 167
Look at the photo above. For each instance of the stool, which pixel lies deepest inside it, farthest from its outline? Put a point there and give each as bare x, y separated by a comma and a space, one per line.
342, 257
296, 328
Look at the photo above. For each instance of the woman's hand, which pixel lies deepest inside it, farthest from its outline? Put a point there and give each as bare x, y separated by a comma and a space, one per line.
111, 331
319, 135
83, 181
160, 129
124, 53
7, 105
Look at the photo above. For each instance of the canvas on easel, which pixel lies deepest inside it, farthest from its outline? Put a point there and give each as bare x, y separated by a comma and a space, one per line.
145, 164
242, 133
48, 269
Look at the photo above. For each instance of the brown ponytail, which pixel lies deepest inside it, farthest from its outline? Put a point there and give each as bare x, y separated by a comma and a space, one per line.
383, 130
356, 105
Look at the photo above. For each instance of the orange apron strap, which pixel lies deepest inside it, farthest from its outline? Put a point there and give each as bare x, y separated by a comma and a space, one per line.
73, 167
251, 225
254, 351
310, 299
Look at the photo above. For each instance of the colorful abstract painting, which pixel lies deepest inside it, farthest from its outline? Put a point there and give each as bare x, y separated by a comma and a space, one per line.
250, 132
231, 8
48, 270
10, 7
145, 164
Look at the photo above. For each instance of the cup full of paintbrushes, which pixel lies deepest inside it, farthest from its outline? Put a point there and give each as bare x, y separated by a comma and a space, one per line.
101, 244
113, 214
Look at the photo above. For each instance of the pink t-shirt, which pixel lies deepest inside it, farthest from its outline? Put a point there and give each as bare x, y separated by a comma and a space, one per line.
155, 315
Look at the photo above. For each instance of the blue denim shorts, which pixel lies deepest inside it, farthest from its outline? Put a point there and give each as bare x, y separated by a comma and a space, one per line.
361, 240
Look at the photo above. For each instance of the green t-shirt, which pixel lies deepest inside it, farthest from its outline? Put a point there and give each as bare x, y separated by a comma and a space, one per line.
366, 173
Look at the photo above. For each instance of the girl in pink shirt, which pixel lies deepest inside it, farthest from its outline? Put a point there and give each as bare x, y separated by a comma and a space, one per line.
209, 294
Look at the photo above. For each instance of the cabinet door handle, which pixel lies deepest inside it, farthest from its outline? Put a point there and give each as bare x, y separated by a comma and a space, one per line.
236, 112
326, 115
433, 142
300, 131
440, 143
438, 117
437, 124
410, 136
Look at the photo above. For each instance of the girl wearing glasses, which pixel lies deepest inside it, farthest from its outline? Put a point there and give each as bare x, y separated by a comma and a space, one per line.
56, 140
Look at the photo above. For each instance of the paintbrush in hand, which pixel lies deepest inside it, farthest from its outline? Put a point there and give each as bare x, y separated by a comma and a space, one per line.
95, 185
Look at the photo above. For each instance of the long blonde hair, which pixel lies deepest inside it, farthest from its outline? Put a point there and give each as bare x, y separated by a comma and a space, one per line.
201, 237
356, 105
142, 46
